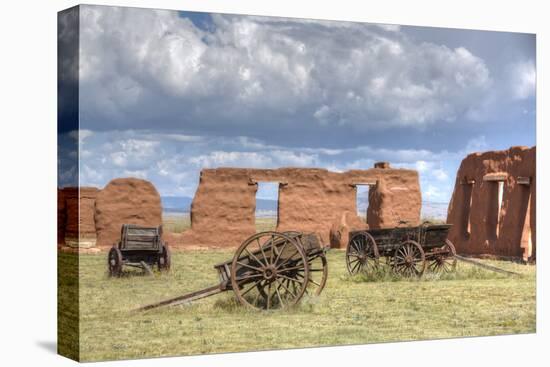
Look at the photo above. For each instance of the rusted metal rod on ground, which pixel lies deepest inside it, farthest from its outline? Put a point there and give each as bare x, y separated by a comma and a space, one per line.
485, 266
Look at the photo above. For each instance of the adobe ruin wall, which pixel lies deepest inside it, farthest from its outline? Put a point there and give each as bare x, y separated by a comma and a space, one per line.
482, 223
223, 209
310, 200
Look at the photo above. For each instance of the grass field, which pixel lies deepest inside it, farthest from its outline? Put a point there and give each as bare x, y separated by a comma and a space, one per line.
350, 310
180, 223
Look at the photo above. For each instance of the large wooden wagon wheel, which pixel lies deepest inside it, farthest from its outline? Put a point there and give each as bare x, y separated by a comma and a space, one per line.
362, 254
114, 262
269, 270
444, 260
409, 259
165, 259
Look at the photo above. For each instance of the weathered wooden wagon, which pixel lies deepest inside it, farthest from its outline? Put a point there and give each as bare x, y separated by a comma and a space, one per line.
270, 270
140, 247
408, 250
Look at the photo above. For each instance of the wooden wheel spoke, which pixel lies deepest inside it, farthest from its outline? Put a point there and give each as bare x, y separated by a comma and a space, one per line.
269, 296
251, 276
250, 267
267, 262
249, 289
290, 278
254, 257
284, 270
287, 259
279, 295
271, 249
279, 254
354, 268
257, 298
282, 284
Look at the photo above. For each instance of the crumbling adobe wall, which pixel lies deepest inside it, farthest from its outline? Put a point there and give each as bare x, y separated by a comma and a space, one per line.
77, 216
125, 200
310, 199
478, 227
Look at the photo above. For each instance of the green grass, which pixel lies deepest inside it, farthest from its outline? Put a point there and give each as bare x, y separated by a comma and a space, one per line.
266, 224
350, 310
181, 223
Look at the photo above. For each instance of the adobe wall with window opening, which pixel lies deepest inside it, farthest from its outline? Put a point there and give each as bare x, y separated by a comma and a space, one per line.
310, 199
484, 225
223, 209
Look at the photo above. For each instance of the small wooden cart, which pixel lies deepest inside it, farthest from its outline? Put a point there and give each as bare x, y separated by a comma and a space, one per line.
140, 247
408, 250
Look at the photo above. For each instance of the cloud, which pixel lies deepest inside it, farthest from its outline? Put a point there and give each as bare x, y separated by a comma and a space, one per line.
161, 98
523, 80
247, 69
174, 166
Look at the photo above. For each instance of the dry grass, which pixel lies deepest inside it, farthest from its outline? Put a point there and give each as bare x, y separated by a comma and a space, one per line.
176, 223
351, 310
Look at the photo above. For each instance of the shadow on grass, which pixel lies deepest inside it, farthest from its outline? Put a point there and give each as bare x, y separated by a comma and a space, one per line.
384, 273
232, 305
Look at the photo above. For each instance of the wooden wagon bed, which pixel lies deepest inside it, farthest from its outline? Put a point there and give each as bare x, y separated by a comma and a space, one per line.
407, 250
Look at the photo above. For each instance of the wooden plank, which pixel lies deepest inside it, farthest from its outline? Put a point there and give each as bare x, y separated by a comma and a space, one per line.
364, 183
496, 176
255, 182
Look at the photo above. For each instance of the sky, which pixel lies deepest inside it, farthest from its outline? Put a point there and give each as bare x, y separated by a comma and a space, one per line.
164, 94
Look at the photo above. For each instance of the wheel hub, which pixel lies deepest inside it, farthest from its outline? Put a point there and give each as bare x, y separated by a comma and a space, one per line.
269, 273
408, 259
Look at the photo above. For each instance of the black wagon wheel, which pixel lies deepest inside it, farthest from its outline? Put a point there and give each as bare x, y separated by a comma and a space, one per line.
114, 262
165, 259
444, 261
409, 259
362, 254
269, 270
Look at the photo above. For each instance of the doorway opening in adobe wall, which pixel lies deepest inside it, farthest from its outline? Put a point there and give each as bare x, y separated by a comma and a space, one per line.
362, 200
267, 206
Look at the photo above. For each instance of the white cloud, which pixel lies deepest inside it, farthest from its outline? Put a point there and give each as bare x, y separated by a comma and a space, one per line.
235, 159
338, 73
432, 193
523, 81
440, 174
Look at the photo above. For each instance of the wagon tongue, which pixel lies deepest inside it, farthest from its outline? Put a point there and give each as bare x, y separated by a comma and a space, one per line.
206, 292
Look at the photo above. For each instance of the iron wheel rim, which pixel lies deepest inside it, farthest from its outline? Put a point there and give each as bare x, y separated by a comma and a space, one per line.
362, 254
409, 259
265, 276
